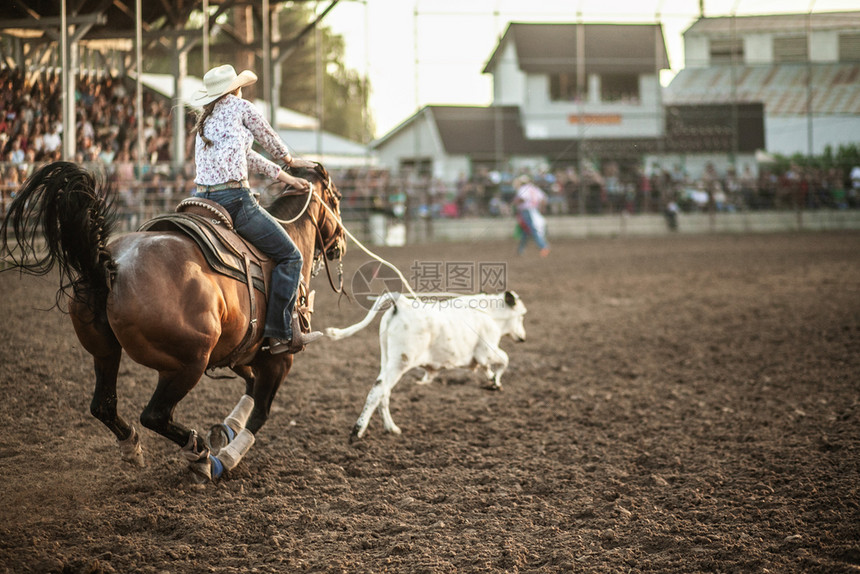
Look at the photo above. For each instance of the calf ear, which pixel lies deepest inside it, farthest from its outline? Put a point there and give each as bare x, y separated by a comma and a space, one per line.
510, 298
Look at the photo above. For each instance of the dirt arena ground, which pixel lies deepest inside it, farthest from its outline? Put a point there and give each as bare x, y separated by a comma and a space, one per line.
683, 404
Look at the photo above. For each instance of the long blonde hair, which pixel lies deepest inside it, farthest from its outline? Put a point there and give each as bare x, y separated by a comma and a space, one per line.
204, 115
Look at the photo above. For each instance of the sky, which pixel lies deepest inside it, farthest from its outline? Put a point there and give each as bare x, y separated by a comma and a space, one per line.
423, 52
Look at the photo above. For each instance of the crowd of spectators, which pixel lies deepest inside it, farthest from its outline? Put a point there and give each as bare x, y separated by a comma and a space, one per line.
611, 190
31, 133
31, 126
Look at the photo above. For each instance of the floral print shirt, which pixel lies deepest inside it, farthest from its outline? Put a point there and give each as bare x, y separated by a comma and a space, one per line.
232, 127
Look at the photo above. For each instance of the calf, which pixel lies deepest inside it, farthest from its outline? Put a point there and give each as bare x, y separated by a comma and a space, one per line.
434, 335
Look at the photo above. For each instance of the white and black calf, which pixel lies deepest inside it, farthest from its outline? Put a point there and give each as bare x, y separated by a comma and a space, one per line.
462, 332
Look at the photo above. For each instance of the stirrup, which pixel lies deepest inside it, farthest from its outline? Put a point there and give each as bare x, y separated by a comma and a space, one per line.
295, 345
278, 346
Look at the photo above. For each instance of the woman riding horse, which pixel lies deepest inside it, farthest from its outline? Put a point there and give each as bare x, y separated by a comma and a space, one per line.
226, 130
153, 295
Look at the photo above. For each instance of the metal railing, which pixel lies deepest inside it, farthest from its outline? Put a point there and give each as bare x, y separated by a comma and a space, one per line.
158, 188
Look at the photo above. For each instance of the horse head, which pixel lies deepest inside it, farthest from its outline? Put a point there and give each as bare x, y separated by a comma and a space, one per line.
321, 206
332, 236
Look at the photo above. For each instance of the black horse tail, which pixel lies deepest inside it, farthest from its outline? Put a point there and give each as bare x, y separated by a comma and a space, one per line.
73, 211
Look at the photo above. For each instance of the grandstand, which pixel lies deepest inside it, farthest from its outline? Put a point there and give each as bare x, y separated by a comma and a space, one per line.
746, 87
803, 68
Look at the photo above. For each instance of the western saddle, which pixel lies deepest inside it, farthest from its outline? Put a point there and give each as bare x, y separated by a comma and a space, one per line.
227, 253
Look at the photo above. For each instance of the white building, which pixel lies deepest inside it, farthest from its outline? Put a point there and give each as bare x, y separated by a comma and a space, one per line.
572, 93
804, 68
563, 93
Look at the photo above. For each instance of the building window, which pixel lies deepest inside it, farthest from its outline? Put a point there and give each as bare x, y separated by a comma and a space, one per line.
790, 49
422, 166
727, 51
562, 87
849, 47
619, 88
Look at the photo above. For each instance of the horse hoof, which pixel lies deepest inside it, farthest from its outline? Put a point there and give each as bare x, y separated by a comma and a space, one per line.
197, 478
135, 459
208, 469
218, 437
130, 449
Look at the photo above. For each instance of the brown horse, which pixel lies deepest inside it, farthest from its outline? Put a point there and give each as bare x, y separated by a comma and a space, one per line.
153, 295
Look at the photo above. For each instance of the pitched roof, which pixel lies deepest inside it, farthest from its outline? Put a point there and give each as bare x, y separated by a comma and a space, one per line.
117, 18
552, 48
741, 25
483, 132
479, 130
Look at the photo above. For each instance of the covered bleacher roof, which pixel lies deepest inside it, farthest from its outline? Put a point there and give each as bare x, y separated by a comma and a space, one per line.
37, 22
109, 17
115, 19
782, 88
783, 23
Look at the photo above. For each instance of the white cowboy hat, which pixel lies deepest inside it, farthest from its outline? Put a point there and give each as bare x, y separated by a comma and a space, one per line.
219, 81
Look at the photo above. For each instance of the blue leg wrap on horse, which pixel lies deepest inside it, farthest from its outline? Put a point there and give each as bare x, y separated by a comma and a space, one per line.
231, 434
217, 467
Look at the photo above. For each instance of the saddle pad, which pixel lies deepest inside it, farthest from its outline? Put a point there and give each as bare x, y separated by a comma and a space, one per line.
222, 248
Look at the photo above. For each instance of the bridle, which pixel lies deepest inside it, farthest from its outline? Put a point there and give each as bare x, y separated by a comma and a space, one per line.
324, 247
338, 230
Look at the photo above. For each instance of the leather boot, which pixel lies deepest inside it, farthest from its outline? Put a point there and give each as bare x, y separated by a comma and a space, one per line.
298, 342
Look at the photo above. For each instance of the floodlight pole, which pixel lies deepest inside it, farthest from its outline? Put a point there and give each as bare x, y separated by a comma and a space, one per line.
734, 76
320, 86
138, 49
266, 18
180, 71
581, 94
498, 120
205, 36
810, 150
275, 66
661, 109
68, 87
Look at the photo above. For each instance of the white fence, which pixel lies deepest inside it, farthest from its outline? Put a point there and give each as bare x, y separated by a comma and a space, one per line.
485, 229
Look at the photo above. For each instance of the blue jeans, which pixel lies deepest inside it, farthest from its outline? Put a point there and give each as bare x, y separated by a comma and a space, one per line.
531, 232
261, 229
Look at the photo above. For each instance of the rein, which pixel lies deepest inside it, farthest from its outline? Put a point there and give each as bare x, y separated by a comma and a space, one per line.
351, 236
371, 254
339, 289
302, 210
324, 246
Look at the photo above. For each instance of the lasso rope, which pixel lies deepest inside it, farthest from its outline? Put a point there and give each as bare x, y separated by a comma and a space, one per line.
356, 241
369, 252
302, 211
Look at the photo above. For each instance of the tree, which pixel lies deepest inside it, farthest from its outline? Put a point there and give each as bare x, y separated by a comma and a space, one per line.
343, 93
339, 100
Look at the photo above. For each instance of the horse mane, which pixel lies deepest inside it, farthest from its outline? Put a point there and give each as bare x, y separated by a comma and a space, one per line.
287, 206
